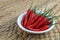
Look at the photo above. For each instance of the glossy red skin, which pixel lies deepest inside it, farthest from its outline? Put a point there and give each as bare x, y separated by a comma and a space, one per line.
42, 23
48, 23
37, 21
32, 20
32, 15
27, 17
31, 28
45, 27
23, 21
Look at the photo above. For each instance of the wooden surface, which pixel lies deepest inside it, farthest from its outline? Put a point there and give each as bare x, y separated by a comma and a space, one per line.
11, 9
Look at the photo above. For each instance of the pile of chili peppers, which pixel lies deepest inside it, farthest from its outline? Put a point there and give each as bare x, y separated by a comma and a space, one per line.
35, 22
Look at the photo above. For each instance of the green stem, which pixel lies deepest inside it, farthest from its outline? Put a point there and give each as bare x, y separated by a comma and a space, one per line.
35, 8
49, 10
54, 17
31, 5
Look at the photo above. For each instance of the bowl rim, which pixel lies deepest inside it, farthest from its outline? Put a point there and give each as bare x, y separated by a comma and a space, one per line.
30, 31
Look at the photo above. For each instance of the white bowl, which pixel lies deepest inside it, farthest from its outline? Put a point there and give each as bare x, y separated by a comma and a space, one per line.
34, 32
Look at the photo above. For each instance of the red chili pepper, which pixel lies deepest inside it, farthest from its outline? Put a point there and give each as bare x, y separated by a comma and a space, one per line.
43, 22
32, 15
27, 17
37, 21
48, 22
23, 21
45, 27
31, 28
32, 20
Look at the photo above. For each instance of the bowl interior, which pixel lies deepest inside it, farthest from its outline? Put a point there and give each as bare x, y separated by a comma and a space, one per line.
35, 32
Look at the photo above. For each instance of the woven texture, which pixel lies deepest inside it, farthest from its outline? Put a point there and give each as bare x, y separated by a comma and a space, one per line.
11, 9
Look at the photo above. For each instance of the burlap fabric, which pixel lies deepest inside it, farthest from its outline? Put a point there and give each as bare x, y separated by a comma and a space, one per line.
11, 9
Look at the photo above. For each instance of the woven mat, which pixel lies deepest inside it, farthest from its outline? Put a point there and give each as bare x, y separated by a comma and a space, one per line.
11, 9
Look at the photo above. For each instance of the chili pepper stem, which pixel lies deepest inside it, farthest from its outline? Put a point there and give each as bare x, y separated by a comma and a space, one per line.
49, 10
34, 9
31, 5
51, 19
